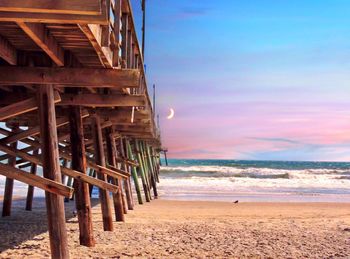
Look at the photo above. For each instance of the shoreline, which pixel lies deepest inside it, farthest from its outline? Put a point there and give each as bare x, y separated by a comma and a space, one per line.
185, 229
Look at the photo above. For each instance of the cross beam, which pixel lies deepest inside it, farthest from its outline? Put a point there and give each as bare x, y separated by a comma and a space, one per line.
88, 77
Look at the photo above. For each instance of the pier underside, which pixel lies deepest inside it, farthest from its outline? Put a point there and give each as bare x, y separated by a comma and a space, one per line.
74, 102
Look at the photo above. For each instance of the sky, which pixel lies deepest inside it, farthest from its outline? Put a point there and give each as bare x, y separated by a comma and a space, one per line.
252, 79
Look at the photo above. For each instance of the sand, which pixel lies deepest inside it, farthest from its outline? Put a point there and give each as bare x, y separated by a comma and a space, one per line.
180, 229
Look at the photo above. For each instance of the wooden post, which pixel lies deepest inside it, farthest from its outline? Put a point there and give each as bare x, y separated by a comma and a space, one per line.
30, 193
134, 173
142, 172
127, 185
52, 171
152, 171
81, 189
100, 160
166, 159
111, 154
156, 163
7, 203
91, 173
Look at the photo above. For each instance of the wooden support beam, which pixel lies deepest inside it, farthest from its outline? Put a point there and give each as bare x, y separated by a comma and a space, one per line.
100, 159
117, 26
31, 132
51, 170
43, 38
8, 52
7, 203
98, 100
87, 7
125, 40
21, 107
126, 161
111, 154
30, 192
66, 171
68, 77
142, 172
112, 172
134, 172
82, 196
126, 182
94, 33
151, 168
37, 181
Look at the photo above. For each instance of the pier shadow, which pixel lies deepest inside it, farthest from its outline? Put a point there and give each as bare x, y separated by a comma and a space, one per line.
25, 225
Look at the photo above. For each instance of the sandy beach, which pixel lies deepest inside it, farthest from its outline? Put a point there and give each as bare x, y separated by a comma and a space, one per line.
183, 229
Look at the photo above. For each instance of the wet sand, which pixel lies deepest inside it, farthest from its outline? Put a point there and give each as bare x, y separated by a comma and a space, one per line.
182, 229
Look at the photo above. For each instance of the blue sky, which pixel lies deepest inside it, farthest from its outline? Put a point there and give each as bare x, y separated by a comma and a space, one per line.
243, 74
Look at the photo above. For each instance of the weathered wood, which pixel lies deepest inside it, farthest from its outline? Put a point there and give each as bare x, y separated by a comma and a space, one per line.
126, 182
117, 26
142, 172
46, 184
134, 172
87, 7
7, 203
98, 100
68, 77
30, 192
66, 171
7, 51
94, 33
62, 18
112, 171
42, 37
100, 159
127, 162
21, 107
151, 168
125, 29
51, 170
117, 197
82, 197
31, 132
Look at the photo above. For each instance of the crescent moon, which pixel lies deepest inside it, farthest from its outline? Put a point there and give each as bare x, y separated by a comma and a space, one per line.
172, 113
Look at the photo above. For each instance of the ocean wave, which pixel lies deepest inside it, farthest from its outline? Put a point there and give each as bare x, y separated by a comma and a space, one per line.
258, 173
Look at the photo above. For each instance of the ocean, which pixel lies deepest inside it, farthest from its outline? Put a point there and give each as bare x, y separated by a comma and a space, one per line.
255, 181
250, 181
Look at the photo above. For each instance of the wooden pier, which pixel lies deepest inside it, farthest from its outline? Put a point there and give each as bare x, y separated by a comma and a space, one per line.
74, 102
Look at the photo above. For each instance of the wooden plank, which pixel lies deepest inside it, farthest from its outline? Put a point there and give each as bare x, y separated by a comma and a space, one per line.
51, 170
92, 77
100, 159
21, 107
87, 7
82, 196
99, 100
7, 51
43, 38
37, 181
